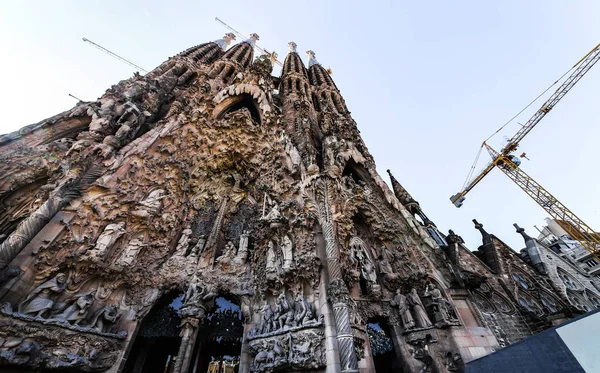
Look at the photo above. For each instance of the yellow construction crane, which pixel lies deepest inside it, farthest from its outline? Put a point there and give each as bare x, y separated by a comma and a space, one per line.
509, 164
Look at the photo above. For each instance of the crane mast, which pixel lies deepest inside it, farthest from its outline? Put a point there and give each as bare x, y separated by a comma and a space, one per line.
509, 164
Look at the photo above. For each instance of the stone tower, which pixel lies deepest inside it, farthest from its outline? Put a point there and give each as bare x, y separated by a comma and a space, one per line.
207, 182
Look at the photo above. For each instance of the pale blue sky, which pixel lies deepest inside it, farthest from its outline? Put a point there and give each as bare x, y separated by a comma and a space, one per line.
426, 81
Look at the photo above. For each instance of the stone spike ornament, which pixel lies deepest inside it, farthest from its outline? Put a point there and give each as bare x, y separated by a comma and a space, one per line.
211, 190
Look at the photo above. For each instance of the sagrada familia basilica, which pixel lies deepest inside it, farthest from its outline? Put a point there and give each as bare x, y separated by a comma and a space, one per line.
211, 217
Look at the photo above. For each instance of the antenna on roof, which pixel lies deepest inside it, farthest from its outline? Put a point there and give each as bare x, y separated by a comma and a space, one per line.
272, 56
115, 55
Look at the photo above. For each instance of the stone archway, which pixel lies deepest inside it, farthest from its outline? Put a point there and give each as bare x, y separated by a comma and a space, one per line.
156, 344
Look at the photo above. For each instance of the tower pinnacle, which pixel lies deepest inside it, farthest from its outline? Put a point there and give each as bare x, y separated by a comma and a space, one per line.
252, 39
225, 40
292, 47
311, 58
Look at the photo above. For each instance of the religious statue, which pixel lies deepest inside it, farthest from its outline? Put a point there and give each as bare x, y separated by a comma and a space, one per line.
266, 319
284, 312
421, 318
150, 205
196, 299
42, 298
183, 243
242, 253
105, 241
304, 314
400, 301
386, 270
77, 310
273, 216
130, 253
228, 255
439, 305
273, 261
105, 318
286, 249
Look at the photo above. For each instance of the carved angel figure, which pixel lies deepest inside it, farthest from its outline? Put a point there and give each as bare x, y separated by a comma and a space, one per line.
415, 303
42, 298
78, 309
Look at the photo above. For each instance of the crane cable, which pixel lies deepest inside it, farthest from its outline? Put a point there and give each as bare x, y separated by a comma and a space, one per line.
534, 100
472, 169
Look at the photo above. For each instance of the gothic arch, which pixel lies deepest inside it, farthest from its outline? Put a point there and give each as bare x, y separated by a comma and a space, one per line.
233, 103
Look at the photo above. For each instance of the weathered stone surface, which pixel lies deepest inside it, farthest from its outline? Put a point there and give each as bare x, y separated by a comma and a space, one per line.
209, 177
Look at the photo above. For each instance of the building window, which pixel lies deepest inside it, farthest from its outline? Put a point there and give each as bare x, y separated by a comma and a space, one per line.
527, 302
550, 304
521, 280
569, 281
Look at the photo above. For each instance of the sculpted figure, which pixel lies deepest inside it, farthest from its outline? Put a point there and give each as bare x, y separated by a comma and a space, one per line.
415, 303
228, 255
183, 243
286, 249
242, 254
130, 253
304, 313
401, 302
286, 312
78, 309
386, 270
105, 318
266, 320
105, 241
273, 262
151, 205
439, 305
42, 298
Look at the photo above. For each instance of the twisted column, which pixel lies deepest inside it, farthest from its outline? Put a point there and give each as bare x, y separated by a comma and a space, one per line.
337, 291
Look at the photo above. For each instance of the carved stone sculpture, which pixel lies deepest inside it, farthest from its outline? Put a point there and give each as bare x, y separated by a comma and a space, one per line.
420, 315
242, 253
105, 318
150, 205
130, 253
288, 255
76, 312
40, 301
105, 241
284, 312
401, 302
439, 305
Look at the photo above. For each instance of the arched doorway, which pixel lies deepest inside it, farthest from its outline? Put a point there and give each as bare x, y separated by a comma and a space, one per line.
157, 342
382, 347
220, 339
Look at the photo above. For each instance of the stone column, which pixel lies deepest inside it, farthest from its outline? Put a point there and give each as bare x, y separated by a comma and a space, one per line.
337, 291
189, 332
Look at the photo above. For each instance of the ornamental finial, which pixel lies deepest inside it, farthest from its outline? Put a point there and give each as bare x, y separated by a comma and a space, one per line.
225, 40
253, 38
292, 47
311, 58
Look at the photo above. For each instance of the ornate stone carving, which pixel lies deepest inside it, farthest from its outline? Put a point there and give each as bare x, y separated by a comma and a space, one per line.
401, 302
105, 241
77, 311
39, 302
420, 315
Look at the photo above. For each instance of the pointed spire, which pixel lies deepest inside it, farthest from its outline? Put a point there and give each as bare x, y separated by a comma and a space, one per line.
225, 40
292, 47
311, 58
487, 251
533, 251
402, 194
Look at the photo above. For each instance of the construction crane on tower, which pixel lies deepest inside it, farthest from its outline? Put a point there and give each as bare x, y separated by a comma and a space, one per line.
114, 55
509, 163
272, 55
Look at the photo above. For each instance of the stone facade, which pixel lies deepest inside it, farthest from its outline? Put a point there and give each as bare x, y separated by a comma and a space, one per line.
211, 178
